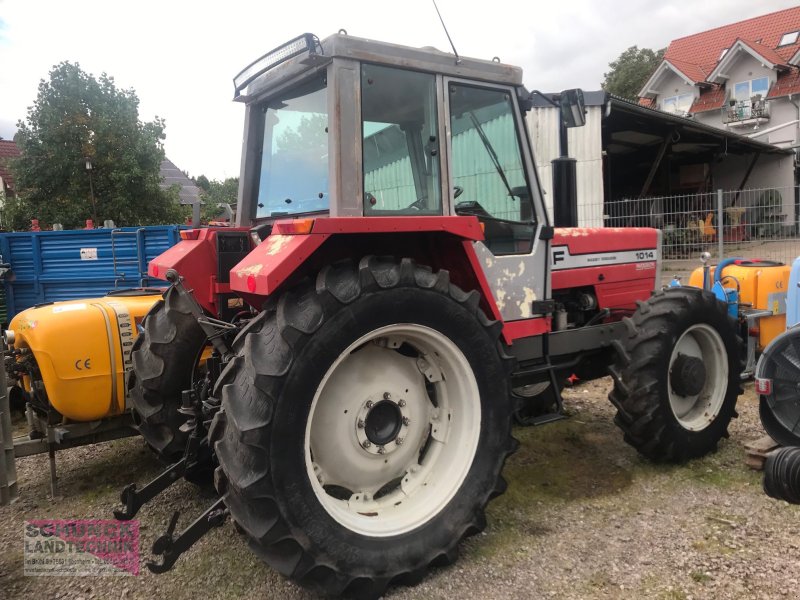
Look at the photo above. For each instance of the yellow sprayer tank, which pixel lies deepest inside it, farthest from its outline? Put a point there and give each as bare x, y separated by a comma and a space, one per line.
82, 349
761, 284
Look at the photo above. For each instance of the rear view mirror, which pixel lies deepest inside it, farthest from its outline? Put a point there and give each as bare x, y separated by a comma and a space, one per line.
573, 110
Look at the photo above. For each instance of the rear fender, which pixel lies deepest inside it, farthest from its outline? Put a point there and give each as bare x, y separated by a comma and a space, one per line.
437, 242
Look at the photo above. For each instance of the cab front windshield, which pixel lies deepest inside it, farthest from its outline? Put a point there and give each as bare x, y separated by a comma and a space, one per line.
294, 163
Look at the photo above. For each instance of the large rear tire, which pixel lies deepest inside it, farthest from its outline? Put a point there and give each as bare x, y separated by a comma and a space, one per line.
677, 375
165, 356
364, 425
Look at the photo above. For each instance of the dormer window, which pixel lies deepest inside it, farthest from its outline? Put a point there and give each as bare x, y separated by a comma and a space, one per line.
677, 104
745, 90
789, 38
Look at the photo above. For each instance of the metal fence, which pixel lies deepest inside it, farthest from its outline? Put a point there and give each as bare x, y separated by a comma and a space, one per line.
751, 223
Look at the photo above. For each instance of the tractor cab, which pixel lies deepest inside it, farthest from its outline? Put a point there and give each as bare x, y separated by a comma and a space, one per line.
348, 127
352, 127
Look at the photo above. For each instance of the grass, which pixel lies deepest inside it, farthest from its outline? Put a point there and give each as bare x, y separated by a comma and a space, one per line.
700, 577
563, 462
584, 460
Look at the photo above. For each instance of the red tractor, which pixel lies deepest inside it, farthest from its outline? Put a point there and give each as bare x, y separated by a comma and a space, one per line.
393, 294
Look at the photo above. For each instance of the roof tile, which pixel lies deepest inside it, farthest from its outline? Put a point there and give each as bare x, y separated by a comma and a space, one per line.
767, 52
8, 149
762, 33
787, 83
692, 71
710, 99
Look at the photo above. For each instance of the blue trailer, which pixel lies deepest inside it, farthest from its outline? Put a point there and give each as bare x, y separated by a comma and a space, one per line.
48, 266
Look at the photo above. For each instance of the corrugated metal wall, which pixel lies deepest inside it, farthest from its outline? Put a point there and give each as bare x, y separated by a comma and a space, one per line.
49, 266
585, 145
471, 156
393, 184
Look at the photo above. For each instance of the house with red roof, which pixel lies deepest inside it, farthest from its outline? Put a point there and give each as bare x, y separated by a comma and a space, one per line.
721, 112
8, 151
744, 77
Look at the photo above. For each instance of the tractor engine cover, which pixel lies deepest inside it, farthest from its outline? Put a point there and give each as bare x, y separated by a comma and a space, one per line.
620, 264
82, 350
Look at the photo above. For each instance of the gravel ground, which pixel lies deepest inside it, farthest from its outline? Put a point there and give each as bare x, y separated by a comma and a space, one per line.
584, 517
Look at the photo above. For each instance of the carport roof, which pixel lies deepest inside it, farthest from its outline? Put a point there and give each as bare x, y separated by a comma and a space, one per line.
633, 127
630, 124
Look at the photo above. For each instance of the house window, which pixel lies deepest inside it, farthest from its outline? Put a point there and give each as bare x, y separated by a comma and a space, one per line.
677, 104
744, 90
789, 38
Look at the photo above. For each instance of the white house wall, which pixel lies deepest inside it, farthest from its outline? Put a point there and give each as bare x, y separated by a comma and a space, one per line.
782, 110
770, 172
673, 85
585, 145
746, 68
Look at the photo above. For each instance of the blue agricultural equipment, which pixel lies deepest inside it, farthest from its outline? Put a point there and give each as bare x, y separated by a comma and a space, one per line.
778, 373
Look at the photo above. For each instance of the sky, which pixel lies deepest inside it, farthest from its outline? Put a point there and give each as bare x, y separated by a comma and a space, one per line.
180, 56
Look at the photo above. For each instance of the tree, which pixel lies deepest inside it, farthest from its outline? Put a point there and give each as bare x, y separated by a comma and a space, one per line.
631, 71
203, 183
216, 193
85, 153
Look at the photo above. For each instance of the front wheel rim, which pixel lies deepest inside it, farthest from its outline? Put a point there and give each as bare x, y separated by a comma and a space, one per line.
393, 430
696, 411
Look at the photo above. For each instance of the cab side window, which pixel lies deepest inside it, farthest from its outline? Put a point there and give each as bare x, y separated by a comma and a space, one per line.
399, 122
488, 168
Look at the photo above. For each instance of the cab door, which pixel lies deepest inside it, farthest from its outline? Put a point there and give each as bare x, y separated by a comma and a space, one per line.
492, 177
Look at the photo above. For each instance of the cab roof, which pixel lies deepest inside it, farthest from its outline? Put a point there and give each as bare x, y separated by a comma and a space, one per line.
316, 53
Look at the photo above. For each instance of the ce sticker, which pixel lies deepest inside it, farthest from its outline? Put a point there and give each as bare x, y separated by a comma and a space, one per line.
82, 364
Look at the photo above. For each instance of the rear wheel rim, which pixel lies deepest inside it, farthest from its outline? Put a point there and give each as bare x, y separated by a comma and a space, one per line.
695, 412
412, 390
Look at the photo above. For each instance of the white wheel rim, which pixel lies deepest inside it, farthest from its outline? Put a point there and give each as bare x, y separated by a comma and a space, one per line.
696, 412
391, 488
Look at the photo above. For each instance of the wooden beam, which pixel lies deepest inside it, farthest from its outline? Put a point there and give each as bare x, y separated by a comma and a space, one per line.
657, 163
746, 177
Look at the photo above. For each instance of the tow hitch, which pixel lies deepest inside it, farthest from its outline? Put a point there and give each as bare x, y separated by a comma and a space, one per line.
194, 456
170, 547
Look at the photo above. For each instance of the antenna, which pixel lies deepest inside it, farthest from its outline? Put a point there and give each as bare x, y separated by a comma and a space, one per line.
449, 39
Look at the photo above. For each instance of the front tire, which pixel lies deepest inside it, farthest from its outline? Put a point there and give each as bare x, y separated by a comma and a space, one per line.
164, 359
364, 425
676, 375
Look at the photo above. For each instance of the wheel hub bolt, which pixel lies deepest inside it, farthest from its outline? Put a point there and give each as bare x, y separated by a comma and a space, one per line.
366, 444
406, 421
369, 404
361, 423
399, 441
387, 396
402, 403
381, 450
